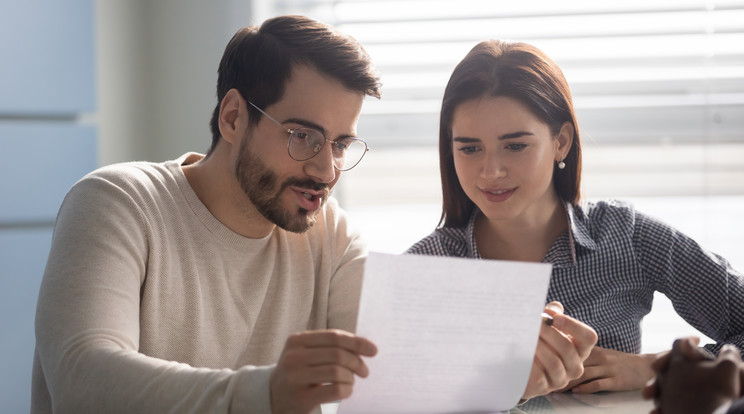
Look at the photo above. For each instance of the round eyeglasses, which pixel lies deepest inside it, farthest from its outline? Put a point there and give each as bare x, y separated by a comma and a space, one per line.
305, 143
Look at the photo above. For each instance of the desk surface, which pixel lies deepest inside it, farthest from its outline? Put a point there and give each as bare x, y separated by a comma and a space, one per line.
629, 402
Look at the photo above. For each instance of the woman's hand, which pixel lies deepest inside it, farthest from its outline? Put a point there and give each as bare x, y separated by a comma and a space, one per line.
610, 370
561, 351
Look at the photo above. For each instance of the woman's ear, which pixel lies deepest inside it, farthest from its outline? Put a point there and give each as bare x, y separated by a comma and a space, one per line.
232, 112
564, 141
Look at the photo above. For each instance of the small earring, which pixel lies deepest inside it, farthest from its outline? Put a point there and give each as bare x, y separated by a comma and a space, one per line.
561, 165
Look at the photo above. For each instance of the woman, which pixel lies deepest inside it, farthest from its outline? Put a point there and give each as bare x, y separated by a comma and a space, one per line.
510, 160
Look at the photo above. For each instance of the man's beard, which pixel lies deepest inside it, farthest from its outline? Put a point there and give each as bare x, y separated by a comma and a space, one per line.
259, 183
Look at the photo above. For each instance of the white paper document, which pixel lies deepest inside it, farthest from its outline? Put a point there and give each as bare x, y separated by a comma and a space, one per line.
454, 335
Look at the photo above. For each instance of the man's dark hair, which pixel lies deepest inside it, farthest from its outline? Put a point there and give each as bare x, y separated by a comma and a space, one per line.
259, 60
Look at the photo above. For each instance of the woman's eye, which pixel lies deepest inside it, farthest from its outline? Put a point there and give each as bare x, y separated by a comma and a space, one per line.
516, 147
469, 149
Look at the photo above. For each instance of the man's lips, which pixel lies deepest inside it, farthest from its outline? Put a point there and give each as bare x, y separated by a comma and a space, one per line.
309, 200
498, 195
310, 194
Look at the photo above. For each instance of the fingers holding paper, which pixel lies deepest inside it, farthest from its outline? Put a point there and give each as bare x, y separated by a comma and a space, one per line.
561, 350
317, 367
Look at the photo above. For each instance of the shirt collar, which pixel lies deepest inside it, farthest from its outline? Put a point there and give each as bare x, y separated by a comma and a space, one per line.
578, 219
579, 234
470, 234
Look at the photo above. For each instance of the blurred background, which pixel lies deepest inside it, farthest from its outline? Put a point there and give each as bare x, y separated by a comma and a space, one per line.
658, 88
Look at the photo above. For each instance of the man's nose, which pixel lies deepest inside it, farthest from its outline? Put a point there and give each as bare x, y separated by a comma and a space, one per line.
320, 167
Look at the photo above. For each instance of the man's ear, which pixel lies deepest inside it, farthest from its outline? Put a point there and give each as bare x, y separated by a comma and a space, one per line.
564, 141
233, 116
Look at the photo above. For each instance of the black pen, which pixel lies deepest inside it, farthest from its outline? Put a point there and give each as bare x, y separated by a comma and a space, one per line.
547, 319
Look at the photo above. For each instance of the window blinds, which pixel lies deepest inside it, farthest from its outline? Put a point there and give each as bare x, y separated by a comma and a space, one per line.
657, 85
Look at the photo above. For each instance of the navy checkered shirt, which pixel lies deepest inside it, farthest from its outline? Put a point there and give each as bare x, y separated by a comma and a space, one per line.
608, 266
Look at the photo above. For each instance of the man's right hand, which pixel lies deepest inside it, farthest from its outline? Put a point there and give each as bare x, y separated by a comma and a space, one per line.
317, 367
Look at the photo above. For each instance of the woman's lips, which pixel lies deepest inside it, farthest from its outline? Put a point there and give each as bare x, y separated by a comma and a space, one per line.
498, 195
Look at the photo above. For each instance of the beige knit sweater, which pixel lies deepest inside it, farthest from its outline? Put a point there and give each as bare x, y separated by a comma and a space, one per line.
149, 304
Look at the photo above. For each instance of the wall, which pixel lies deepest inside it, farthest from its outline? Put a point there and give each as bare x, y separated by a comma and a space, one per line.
158, 72
48, 137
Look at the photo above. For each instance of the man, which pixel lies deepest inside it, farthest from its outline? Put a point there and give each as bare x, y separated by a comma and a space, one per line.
689, 380
173, 287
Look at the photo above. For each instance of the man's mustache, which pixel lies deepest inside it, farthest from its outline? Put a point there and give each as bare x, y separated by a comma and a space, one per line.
307, 184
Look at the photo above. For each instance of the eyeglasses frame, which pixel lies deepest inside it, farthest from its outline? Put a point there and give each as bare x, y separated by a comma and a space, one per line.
291, 131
